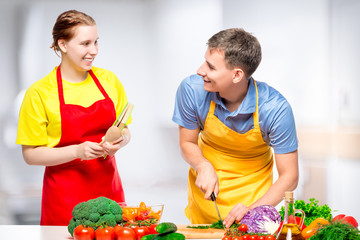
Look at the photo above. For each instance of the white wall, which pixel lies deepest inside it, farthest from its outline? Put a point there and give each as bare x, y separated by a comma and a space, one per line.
295, 41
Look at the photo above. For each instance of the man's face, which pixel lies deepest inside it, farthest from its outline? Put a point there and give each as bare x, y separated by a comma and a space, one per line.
217, 77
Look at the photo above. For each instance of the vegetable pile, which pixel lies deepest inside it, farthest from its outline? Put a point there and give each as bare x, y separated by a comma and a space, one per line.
94, 213
103, 219
241, 233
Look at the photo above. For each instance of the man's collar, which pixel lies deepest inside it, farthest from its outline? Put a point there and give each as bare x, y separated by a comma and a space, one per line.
247, 106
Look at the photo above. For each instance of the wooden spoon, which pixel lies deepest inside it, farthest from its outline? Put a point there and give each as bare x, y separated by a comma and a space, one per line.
112, 134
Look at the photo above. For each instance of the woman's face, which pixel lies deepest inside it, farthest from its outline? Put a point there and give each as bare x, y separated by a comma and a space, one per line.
82, 49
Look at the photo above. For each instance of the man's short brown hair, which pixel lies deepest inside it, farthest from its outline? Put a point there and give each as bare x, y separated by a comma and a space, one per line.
241, 49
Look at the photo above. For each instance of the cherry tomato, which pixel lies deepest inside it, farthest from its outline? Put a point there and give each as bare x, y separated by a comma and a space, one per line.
254, 237
262, 237
238, 238
104, 233
84, 233
152, 229
246, 237
270, 237
124, 233
226, 238
243, 228
141, 231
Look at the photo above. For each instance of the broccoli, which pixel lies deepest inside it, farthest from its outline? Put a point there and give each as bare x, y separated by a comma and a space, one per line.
96, 212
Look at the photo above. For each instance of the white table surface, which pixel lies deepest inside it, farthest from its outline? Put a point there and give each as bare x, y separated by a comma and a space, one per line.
35, 232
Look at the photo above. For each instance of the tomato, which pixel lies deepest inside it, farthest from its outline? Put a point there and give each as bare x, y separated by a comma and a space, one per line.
237, 238
226, 238
347, 219
246, 237
105, 233
262, 237
152, 229
141, 231
351, 220
270, 237
254, 237
243, 228
84, 233
338, 217
124, 233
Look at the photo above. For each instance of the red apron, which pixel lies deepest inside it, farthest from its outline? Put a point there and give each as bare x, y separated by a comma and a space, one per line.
68, 184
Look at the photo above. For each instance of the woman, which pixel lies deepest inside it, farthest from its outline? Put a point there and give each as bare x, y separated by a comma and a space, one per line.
63, 118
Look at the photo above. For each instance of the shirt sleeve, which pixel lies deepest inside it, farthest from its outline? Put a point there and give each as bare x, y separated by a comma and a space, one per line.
122, 97
185, 113
282, 130
32, 120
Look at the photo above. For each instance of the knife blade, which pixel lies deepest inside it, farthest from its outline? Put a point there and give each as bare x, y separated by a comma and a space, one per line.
213, 198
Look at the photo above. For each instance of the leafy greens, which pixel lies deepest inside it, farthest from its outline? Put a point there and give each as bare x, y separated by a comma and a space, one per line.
311, 209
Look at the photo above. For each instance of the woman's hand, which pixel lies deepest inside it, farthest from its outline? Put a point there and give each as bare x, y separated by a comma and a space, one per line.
89, 150
236, 214
111, 148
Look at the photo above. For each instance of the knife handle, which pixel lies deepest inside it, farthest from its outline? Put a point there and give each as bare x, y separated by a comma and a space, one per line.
212, 196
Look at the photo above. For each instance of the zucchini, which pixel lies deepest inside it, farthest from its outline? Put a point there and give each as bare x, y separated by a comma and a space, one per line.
148, 237
170, 236
166, 227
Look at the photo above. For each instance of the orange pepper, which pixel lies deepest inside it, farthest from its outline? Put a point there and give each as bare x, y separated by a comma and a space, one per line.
313, 227
142, 207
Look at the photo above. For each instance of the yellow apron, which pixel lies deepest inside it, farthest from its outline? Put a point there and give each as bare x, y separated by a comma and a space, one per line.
243, 163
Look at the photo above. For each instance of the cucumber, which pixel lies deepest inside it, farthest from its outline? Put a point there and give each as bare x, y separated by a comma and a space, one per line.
166, 227
170, 236
148, 237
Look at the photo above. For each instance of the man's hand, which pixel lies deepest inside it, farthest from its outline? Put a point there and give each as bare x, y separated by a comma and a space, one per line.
207, 180
236, 214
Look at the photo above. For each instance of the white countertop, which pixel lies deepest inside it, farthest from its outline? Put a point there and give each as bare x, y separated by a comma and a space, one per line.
34, 232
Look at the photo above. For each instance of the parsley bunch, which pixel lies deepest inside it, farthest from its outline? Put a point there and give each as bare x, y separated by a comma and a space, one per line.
311, 209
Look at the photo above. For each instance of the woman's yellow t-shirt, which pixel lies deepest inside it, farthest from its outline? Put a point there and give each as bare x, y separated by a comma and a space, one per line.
39, 118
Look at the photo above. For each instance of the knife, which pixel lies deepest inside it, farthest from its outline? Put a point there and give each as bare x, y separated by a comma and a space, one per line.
213, 198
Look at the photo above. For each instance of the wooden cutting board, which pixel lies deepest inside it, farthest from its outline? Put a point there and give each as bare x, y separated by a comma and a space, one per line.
193, 233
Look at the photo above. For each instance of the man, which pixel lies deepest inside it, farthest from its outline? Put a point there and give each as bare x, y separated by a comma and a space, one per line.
228, 125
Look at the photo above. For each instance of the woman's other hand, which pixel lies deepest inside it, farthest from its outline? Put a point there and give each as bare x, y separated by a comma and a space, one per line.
111, 148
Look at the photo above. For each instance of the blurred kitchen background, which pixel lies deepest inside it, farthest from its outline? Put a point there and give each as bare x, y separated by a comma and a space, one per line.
311, 54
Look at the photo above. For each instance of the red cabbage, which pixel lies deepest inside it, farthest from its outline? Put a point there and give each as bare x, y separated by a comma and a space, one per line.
263, 219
